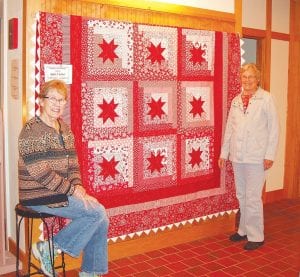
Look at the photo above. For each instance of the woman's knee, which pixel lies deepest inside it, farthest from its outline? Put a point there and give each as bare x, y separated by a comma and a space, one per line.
99, 213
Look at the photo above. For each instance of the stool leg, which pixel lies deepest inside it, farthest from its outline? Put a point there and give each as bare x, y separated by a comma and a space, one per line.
18, 224
63, 263
50, 245
29, 232
62, 253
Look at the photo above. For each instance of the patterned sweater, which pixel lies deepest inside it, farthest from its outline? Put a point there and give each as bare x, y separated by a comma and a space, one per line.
48, 164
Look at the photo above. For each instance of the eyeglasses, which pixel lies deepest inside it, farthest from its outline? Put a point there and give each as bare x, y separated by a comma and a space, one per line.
54, 100
250, 77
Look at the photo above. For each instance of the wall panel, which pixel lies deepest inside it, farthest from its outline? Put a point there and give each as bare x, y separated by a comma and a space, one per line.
279, 89
254, 14
280, 16
179, 16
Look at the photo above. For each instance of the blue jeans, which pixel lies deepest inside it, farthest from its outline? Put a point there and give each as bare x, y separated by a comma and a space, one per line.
86, 232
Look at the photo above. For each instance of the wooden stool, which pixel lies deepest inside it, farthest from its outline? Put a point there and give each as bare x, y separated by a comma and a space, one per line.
24, 212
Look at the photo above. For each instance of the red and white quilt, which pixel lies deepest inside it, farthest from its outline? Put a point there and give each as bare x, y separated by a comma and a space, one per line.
148, 107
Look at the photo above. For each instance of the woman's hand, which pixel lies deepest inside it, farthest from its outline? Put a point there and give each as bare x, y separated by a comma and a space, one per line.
221, 162
88, 200
79, 191
267, 164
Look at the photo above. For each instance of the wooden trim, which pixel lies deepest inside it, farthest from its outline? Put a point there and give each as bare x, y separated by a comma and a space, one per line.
280, 36
144, 12
272, 196
13, 245
255, 33
30, 8
13, 249
238, 16
292, 150
167, 238
266, 70
168, 8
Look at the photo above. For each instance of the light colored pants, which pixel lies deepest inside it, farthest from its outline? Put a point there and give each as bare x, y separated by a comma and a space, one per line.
86, 232
249, 181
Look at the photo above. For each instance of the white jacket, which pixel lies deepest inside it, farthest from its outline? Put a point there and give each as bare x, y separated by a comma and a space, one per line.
251, 137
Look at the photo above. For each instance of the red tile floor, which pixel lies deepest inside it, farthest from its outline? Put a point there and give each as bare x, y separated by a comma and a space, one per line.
217, 256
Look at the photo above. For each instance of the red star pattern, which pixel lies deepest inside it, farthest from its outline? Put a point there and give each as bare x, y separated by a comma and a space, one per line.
197, 106
156, 108
108, 51
156, 53
108, 110
109, 168
195, 157
155, 162
197, 55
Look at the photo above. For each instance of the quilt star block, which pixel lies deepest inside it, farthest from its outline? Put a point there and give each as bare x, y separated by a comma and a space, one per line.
155, 107
110, 164
155, 52
106, 109
196, 104
108, 51
197, 155
109, 48
196, 52
155, 162
197, 158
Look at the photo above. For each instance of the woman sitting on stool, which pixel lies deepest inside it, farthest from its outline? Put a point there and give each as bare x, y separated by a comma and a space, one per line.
50, 182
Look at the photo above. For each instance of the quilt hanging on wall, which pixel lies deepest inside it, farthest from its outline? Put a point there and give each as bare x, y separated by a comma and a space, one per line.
147, 106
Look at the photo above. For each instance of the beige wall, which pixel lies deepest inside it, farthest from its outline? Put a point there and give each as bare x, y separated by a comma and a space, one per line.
279, 88
254, 14
280, 16
12, 111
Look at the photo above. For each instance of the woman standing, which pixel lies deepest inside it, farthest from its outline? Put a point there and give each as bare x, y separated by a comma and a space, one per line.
50, 182
250, 142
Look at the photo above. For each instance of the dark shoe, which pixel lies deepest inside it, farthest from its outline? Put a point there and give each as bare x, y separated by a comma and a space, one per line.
237, 237
252, 245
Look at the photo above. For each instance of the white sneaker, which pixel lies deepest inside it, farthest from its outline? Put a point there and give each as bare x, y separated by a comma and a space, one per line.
40, 251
